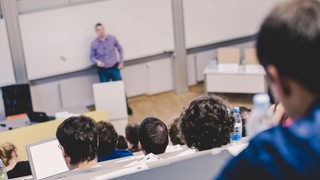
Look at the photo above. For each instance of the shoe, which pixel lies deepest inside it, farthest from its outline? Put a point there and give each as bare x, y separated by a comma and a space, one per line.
130, 112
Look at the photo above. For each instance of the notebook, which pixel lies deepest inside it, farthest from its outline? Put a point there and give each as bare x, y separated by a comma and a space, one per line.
46, 159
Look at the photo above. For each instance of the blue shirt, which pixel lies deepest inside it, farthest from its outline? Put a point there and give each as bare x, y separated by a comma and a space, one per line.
105, 51
118, 153
281, 153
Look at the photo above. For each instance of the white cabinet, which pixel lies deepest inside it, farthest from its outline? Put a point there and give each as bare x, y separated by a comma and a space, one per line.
76, 93
148, 78
201, 63
160, 76
46, 98
191, 65
135, 79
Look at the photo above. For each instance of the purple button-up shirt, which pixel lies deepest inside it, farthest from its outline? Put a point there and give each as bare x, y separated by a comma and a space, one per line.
105, 51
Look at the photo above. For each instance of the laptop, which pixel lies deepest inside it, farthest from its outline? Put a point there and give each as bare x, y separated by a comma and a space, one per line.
38, 116
45, 158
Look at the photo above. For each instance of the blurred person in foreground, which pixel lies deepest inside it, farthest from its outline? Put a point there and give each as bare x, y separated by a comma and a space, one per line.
288, 47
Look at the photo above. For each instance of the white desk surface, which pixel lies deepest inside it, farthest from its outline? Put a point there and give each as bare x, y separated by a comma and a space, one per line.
120, 164
117, 164
236, 69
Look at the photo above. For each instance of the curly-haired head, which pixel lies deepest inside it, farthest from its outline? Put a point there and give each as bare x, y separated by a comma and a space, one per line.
175, 133
207, 123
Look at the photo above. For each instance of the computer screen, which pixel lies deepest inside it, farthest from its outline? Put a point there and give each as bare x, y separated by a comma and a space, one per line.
17, 99
46, 158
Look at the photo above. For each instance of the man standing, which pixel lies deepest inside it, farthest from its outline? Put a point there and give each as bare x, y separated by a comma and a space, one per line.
103, 55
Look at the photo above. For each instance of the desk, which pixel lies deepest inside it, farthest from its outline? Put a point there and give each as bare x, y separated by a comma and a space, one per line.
205, 166
116, 165
232, 78
20, 137
14, 124
200, 165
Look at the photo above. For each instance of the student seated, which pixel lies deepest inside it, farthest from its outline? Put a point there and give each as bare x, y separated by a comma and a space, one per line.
244, 113
78, 140
280, 114
207, 123
288, 48
132, 136
175, 133
121, 142
10, 158
107, 143
153, 136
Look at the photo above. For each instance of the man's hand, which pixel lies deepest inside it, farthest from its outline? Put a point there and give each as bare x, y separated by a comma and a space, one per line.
120, 66
100, 63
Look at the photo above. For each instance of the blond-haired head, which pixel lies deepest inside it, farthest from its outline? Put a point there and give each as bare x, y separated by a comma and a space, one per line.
6, 152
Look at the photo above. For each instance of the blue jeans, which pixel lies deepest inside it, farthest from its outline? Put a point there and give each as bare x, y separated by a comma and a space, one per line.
113, 74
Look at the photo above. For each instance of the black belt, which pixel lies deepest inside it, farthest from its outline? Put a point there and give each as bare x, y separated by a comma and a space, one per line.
114, 66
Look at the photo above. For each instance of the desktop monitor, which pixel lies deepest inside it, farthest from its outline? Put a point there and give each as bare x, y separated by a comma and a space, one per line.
17, 99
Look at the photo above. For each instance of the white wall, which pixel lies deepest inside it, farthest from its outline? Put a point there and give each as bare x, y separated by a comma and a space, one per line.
34, 5
212, 21
71, 31
74, 91
7, 76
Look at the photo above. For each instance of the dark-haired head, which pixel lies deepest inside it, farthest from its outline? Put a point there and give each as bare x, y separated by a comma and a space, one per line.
132, 136
108, 138
99, 28
207, 123
97, 25
288, 47
122, 143
175, 133
153, 135
79, 139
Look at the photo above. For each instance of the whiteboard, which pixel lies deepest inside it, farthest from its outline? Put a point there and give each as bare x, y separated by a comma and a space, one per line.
212, 21
58, 41
6, 69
